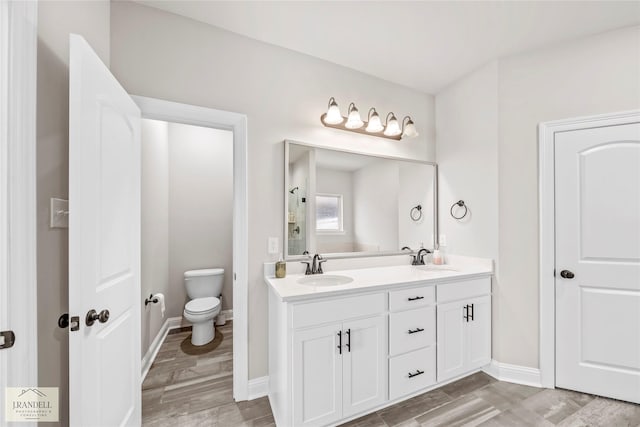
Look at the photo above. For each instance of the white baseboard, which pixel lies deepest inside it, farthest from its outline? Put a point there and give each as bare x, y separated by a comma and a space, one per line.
152, 352
514, 373
258, 387
228, 314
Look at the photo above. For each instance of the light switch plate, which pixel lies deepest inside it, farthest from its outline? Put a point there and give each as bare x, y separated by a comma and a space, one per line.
443, 240
59, 213
273, 245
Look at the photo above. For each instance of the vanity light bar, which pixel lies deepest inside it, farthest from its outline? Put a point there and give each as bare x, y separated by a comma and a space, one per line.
392, 129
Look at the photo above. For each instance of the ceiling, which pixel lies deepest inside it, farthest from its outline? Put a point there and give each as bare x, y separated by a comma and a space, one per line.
421, 45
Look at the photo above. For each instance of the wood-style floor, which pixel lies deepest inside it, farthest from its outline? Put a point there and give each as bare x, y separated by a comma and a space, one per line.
191, 386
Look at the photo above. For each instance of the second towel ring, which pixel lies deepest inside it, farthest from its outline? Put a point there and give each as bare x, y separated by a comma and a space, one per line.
416, 213
459, 203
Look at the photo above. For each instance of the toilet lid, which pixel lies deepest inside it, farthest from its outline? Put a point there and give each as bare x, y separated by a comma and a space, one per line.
204, 272
202, 305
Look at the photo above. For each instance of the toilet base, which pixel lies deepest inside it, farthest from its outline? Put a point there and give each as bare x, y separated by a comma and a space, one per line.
202, 333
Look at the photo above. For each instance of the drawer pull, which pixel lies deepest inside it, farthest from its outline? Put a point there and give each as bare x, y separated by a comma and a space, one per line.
414, 298
418, 372
414, 331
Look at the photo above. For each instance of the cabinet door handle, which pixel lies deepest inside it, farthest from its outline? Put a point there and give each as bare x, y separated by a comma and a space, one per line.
416, 330
340, 342
418, 372
471, 313
415, 298
349, 340
465, 316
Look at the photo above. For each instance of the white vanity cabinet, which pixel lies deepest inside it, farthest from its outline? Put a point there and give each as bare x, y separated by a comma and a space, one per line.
339, 356
464, 327
338, 370
338, 359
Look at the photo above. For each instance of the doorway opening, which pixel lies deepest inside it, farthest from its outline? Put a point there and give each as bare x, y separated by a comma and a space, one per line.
234, 334
186, 263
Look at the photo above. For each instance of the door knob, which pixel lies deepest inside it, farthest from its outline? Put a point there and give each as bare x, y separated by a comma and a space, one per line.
566, 274
92, 316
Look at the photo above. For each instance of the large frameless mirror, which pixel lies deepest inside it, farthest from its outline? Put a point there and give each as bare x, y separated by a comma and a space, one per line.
346, 204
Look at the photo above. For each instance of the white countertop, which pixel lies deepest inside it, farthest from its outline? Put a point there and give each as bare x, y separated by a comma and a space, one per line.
374, 278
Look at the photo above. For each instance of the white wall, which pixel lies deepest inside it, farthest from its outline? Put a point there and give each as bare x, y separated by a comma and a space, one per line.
375, 206
56, 20
331, 181
200, 208
588, 76
283, 94
154, 269
467, 155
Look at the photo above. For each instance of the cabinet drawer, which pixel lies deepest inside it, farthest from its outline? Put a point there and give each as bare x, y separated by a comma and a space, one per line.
464, 289
411, 298
412, 329
316, 313
403, 369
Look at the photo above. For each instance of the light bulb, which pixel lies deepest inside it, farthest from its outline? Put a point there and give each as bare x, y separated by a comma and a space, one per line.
333, 116
374, 125
353, 121
393, 127
409, 128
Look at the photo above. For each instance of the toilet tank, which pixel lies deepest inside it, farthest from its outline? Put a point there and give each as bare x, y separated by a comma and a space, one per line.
204, 283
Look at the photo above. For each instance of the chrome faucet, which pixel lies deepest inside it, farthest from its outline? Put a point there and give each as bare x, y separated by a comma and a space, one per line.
314, 266
418, 259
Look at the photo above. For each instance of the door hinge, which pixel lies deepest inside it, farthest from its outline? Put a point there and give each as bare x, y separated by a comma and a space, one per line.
7, 339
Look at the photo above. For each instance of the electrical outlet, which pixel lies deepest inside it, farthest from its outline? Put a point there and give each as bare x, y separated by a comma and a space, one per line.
273, 245
443, 240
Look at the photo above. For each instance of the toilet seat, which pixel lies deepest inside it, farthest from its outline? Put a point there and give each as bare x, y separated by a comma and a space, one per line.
201, 306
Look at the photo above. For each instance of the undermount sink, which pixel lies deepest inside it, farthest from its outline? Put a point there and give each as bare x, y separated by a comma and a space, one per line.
325, 280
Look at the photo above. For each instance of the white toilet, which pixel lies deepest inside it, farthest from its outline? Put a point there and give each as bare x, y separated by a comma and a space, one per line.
204, 288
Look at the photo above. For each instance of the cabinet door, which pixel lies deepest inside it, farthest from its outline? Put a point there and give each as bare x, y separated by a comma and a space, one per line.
317, 376
479, 332
451, 340
364, 364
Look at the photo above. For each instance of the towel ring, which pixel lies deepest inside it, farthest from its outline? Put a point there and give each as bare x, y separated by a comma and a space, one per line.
459, 203
416, 213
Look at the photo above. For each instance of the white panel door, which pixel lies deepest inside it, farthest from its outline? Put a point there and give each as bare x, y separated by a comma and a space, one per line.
364, 364
451, 339
597, 190
478, 330
104, 245
317, 375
